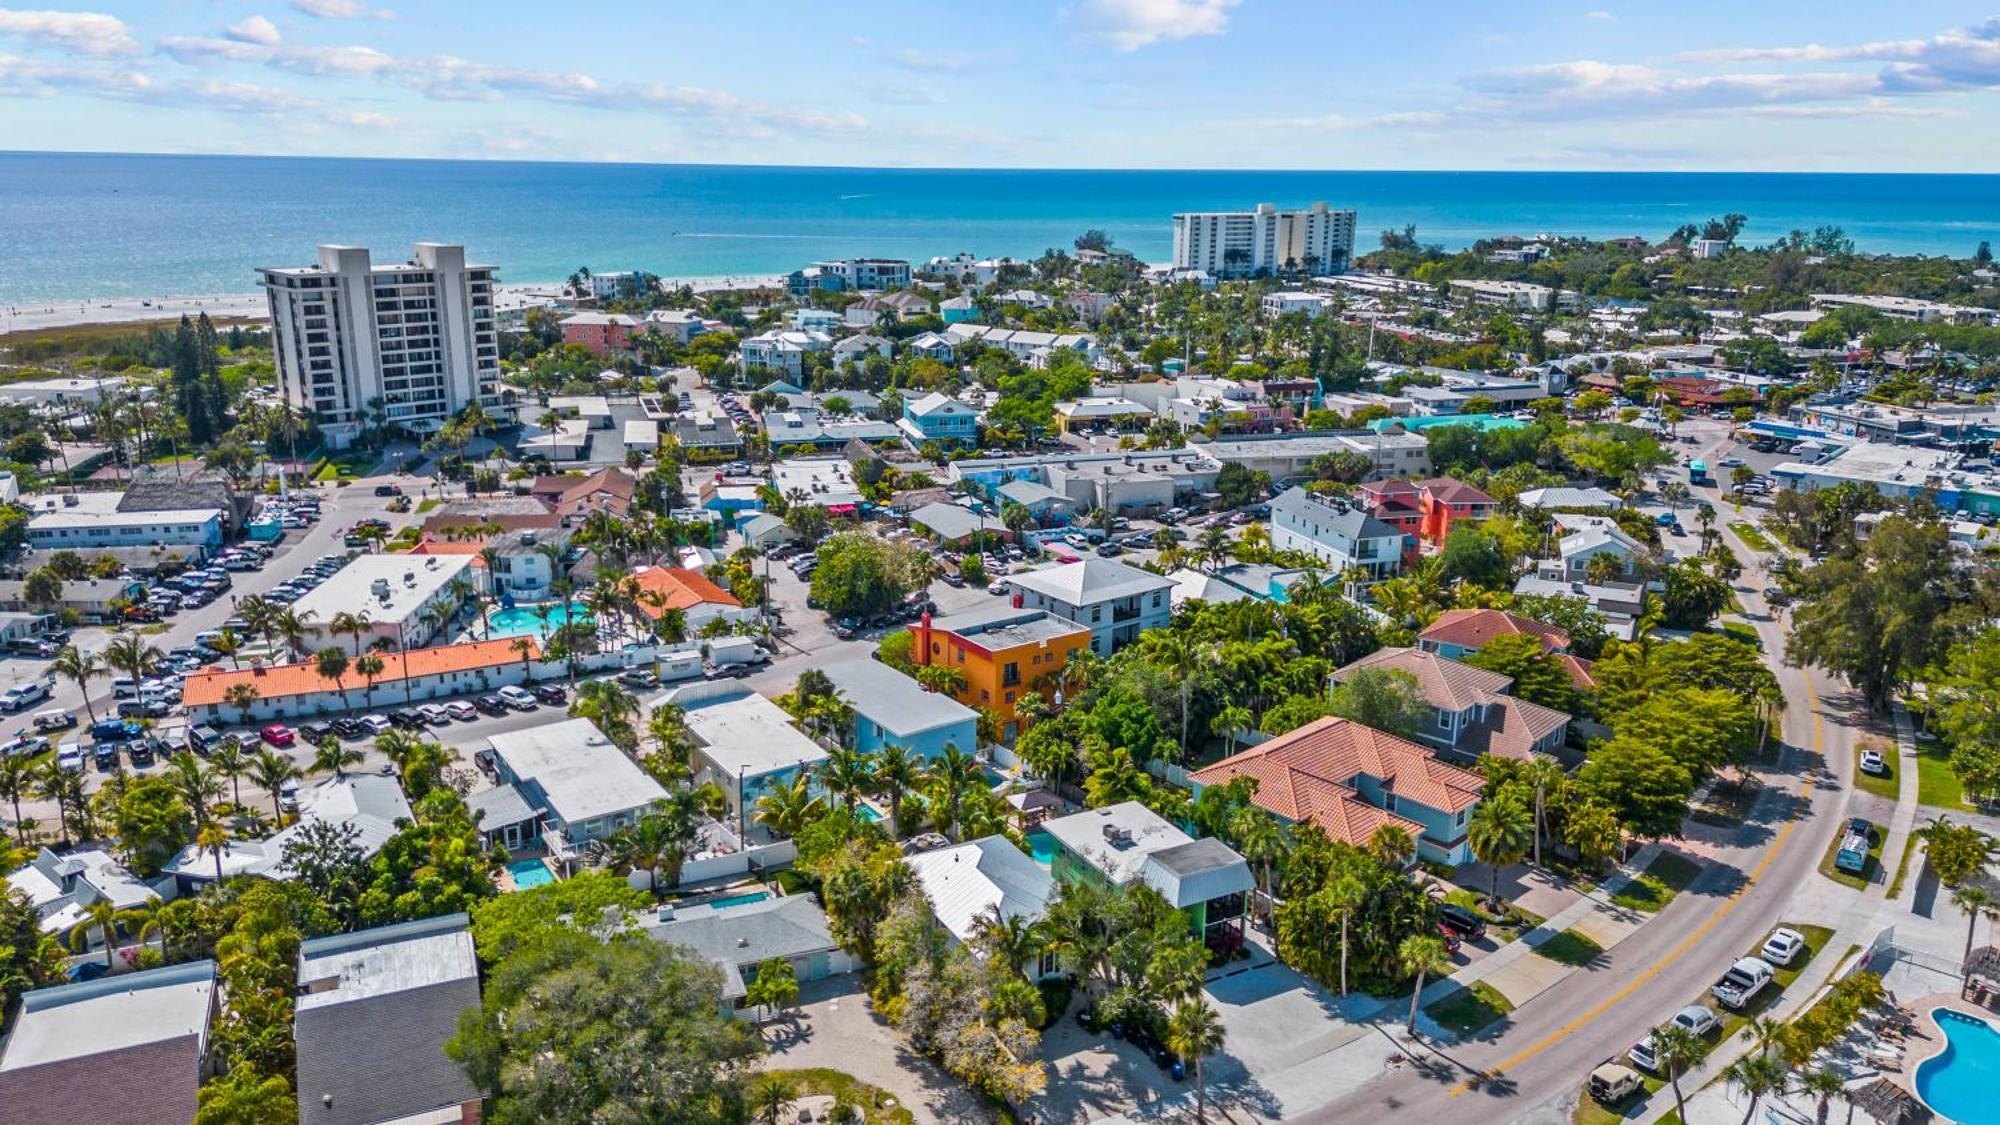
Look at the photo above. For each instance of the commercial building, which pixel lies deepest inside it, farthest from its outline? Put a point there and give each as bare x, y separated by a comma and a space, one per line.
1521, 295
298, 690
374, 1011
1123, 482
1129, 843
130, 1049
1906, 308
1350, 780
744, 744
1278, 304
891, 709
1900, 472
584, 786
1339, 531
1288, 458
1117, 602
1264, 240
971, 883
64, 393
80, 521
418, 338
406, 601
825, 481
1005, 652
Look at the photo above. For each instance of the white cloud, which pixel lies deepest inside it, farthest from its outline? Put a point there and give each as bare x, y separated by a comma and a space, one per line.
256, 29
354, 119
30, 78
1600, 15
939, 62
340, 10
298, 60
80, 33
1128, 25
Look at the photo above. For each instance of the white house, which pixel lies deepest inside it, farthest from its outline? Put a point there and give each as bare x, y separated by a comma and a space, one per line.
987, 878
1116, 601
1342, 533
585, 787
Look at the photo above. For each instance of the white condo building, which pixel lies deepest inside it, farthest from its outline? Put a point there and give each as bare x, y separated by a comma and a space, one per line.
1238, 243
415, 340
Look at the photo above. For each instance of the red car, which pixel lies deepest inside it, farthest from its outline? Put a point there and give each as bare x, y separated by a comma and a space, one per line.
278, 734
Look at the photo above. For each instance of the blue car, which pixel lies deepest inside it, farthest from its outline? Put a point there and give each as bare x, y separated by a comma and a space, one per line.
115, 730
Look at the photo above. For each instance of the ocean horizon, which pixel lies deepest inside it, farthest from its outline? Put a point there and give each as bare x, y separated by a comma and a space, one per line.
90, 226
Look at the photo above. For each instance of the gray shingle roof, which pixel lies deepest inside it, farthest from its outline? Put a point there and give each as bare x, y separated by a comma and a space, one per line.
790, 927
382, 1058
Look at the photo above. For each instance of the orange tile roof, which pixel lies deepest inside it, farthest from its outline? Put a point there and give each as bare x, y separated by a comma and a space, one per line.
1579, 671
677, 588
1300, 774
282, 680
470, 547
1472, 628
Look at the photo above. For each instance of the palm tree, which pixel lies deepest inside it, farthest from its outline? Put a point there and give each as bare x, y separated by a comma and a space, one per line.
1545, 776
951, 774
242, 697
1260, 839
1182, 656
649, 843
1348, 893
1758, 1075
1421, 955
272, 771
846, 775
352, 624
1194, 1032
129, 653
80, 668
214, 840
1393, 846
332, 754
17, 780
790, 806
370, 665
1675, 1048
103, 918
1500, 832
896, 769
771, 1095
227, 761
1975, 901
1822, 1085
195, 783
1012, 941
1766, 1032
289, 625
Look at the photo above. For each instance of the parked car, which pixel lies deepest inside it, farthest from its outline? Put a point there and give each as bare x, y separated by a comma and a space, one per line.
408, 720
1741, 984
143, 752
1872, 761
278, 734
1614, 1082
951, 578
520, 699
997, 587
29, 744
54, 719
434, 715
491, 704
202, 738
1464, 921
315, 732
349, 727
144, 709
645, 677
461, 710
106, 756
373, 726
115, 730
24, 695
551, 694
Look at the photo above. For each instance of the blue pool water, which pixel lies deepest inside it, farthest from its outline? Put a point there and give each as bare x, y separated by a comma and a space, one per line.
530, 873
535, 620
867, 813
738, 900
1043, 847
993, 776
1959, 1083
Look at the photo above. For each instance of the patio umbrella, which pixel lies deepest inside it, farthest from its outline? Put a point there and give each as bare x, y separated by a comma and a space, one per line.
1890, 1104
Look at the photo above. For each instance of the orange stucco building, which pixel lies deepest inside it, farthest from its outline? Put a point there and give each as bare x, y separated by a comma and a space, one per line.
1003, 651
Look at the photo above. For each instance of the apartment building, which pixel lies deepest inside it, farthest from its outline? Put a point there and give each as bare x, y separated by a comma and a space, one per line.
1338, 530
1004, 652
1117, 602
1265, 240
405, 345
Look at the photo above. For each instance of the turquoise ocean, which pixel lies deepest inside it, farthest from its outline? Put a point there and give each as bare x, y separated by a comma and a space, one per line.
111, 226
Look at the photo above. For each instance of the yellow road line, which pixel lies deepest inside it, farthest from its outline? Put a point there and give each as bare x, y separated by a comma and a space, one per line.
1701, 931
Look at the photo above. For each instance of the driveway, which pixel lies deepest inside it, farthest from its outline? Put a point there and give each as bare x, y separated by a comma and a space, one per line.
836, 1029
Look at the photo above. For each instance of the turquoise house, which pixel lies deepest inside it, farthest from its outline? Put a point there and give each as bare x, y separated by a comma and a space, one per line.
893, 709
939, 418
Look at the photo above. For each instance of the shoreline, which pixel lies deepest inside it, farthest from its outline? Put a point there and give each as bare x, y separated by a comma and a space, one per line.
42, 316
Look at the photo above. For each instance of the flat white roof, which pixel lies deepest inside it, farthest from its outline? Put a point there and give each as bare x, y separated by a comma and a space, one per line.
1083, 835
110, 1014
743, 733
96, 509
413, 581
358, 966
581, 773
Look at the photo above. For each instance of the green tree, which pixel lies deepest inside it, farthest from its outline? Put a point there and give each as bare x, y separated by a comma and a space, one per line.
1419, 956
1756, 1075
1194, 1032
1474, 557
1538, 675
1643, 784
1387, 699
775, 987
1500, 832
245, 1096
1675, 1048
571, 1029
771, 1096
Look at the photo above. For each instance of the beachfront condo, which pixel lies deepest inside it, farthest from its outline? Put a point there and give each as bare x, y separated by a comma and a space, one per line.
1243, 243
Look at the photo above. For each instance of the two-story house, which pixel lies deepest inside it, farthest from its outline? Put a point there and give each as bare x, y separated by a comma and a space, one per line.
940, 418
1351, 779
1600, 537
1471, 712
1118, 845
1005, 652
1338, 531
1457, 632
1427, 509
1116, 601
931, 345
891, 709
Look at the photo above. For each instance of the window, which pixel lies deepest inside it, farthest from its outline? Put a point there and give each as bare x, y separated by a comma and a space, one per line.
1444, 719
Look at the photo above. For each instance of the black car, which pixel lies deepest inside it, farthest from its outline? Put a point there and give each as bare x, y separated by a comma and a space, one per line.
551, 694
349, 727
315, 733
491, 704
202, 738
143, 752
408, 720
1462, 921
107, 757
388, 490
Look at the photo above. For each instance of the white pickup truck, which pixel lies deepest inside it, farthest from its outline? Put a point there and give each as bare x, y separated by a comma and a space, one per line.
1744, 980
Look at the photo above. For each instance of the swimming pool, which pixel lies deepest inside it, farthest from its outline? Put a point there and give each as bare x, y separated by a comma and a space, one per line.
1959, 1083
867, 813
530, 873
1042, 846
535, 620
737, 900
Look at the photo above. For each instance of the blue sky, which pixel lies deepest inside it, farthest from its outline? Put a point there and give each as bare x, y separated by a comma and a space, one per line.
1541, 84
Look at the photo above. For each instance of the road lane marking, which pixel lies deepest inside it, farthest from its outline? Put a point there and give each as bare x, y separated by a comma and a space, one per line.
1701, 931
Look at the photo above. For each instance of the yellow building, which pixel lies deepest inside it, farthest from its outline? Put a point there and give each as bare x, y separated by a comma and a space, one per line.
1004, 652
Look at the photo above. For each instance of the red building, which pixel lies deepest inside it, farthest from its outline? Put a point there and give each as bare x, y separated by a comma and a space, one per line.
602, 333
1426, 509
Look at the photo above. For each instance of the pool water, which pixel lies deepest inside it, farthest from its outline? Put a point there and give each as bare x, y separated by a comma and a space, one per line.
737, 900
1042, 846
994, 777
530, 873
867, 813
1959, 1083
535, 620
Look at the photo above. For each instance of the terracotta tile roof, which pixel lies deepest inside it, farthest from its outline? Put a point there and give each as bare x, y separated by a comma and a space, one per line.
283, 680
1579, 671
1450, 490
1293, 769
1472, 628
678, 589
1444, 683
470, 547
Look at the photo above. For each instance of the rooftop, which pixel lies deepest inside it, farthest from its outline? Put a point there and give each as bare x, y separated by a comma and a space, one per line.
581, 774
1116, 839
952, 522
88, 509
211, 686
111, 1013
1333, 751
743, 733
788, 926
979, 878
997, 627
893, 701
369, 803
409, 586
1472, 628
678, 588
1091, 580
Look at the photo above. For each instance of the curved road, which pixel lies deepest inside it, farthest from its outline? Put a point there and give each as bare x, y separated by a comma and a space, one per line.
1533, 1062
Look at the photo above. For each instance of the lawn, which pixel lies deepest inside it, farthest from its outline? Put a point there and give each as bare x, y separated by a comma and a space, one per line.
1516, 919
1570, 948
1667, 876
1881, 784
1936, 784
1753, 536
426, 505
1868, 870
878, 1106
1470, 1010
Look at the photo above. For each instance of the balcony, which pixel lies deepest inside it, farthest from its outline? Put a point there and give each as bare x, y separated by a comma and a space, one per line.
1124, 612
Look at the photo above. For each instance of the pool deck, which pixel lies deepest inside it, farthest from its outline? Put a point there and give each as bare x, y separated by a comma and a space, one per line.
1917, 1052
